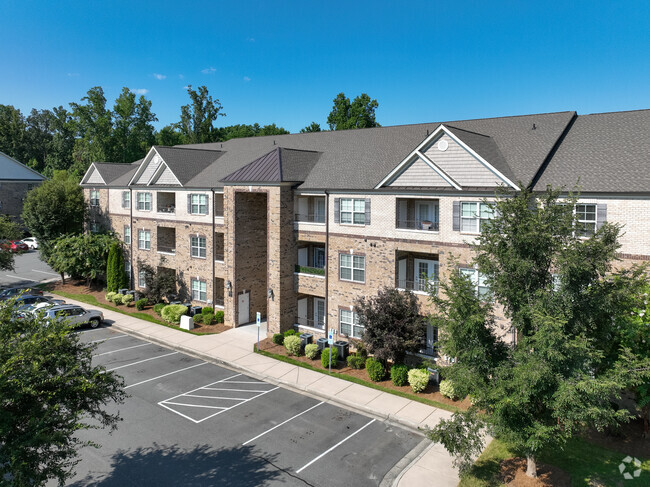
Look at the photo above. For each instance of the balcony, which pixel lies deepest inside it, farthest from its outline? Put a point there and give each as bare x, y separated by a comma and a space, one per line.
417, 214
310, 209
426, 225
311, 312
166, 202
309, 323
417, 272
166, 240
418, 285
218, 205
303, 269
219, 249
310, 217
219, 288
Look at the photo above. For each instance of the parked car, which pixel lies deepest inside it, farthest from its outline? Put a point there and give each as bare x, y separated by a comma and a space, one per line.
28, 299
31, 242
75, 315
18, 246
15, 291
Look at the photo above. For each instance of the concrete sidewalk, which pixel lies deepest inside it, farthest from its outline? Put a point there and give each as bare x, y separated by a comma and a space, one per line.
234, 349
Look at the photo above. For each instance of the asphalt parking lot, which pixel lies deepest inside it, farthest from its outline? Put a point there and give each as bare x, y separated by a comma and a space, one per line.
29, 270
192, 423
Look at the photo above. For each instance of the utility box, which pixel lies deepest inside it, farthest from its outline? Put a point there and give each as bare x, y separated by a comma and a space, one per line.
195, 310
187, 323
305, 339
322, 344
343, 349
123, 291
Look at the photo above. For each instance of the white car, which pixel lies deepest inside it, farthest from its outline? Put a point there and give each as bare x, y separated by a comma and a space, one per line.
31, 242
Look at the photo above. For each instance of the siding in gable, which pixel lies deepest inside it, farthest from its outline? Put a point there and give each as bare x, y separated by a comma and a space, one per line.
419, 174
167, 178
95, 178
461, 166
149, 170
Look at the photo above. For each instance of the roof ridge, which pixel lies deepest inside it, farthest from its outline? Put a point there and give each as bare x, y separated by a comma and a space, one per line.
177, 147
467, 131
612, 113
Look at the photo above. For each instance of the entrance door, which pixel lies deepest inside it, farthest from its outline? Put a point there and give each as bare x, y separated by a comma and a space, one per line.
243, 301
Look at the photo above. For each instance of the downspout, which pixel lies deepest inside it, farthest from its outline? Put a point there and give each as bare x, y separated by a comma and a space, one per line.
214, 227
131, 245
327, 260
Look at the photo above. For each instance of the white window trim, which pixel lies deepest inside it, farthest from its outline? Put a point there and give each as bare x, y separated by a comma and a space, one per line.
201, 284
199, 204
142, 277
476, 278
198, 247
352, 268
352, 212
477, 216
127, 232
145, 201
353, 325
94, 198
594, 221
145, 240
126, 200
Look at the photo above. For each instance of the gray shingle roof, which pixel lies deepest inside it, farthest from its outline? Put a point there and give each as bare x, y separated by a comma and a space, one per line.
185, 162
609, 152
111, 172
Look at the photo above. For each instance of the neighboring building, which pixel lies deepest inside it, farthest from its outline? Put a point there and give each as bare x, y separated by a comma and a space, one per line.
16, 180
298, 226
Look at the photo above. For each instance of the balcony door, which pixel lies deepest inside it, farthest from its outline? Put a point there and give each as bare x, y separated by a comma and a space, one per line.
319, 257
426, 211
319, 313
425, 270
319, 210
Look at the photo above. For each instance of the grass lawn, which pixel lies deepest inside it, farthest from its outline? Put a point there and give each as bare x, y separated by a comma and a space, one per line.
583, 461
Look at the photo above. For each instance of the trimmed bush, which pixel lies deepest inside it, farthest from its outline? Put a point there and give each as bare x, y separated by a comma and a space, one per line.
356, 361
376, 370
311, 351
399, 374
207, 310
127, 299
109, 296
447, 389
418, 379
208, 319
173, 312
198, 318
278, 338
117, 299
140, 304
325, 357
292, 344
290, 332
219, 316
158, 308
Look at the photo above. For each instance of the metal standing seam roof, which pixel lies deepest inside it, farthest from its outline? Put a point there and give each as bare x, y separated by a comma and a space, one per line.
279, 165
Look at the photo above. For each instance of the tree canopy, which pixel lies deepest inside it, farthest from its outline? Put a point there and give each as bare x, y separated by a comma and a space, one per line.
198, 118
83, 256
49, 390
357, 114
562, 295
8, 231
312, 127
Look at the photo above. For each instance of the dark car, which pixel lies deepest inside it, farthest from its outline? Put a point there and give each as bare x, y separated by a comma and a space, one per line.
15, 291
28, 299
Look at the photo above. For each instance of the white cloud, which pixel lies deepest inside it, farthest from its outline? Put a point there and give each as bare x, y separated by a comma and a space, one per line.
186, 87
73, 75
250, 39
159, 76
209, 70
246, 78
140, 91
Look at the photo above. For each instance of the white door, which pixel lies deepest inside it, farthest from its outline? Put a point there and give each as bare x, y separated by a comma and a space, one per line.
303, 209
243, 301
302, 311
424, 270
319, 210
319, 313
401, 274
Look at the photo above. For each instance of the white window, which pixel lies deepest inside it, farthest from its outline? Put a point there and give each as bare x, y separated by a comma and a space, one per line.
352, 268
472, 215
349, 324
478, 281
142, 279
353, 211
144, 201
144, 239
94, 227
586, 220
199, 204
426, 274
127, 268
126, 199
94, 197
199, 290
127, 234
197, 245
319, 257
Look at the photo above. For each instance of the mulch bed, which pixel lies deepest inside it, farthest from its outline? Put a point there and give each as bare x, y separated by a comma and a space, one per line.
513, 472
431, 392
627, 439
80, 287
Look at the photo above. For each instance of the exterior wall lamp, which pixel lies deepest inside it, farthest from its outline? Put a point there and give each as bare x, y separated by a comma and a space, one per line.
229, 288
270, 294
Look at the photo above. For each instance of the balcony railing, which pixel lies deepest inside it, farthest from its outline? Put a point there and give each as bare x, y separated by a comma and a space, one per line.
218, 257
319, 325
219, 302
166, 249
303, 269
167, 209
310, 218
426, 225
420, 285
218, 213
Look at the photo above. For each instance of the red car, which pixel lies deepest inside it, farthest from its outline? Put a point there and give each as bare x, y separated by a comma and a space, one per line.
18, 246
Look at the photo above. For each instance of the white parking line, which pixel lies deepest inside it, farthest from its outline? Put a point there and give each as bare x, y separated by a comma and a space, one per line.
165, 375
43, 272
111, 338
217, 397
140, 361
195, 405
284, 422
232, 390
122, 349
336, 446
19, 278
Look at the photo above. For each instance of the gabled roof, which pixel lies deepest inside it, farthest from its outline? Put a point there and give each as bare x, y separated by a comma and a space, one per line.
12, 170
109, 173
183, 162
278, 166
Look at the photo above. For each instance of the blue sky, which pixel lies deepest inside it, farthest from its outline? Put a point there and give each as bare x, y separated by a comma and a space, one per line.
284, 61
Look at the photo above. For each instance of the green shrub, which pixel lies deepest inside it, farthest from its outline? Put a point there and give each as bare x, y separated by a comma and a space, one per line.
290, 332
109, 296
117, 299
447, 389
173, 312
292, 344
278, 338
140, 304
207, 310
219, 316
127, 299
399, 374
325, 357
356, 361
418, 379
311, 351
208, 319
376, 370
198, 318
158, 308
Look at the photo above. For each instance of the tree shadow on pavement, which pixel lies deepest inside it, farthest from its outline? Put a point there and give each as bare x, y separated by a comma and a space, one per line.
174, 466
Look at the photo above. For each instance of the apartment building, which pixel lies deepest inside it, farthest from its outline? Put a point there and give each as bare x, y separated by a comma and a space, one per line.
16, 179
297, 227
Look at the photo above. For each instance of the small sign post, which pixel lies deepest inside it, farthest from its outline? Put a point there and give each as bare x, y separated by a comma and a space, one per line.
330, 341
258, 321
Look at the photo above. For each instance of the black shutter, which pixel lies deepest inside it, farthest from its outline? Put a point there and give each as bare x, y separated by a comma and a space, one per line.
189, 204
456, 216
337, 210
601, 215
367, 211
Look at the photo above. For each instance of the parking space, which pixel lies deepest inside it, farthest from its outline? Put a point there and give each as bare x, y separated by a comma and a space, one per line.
214, 425
29, 269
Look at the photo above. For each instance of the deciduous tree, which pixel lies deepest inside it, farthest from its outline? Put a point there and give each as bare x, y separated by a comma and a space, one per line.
312, 127
198, 118
133, 132
358, 114
81, 256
